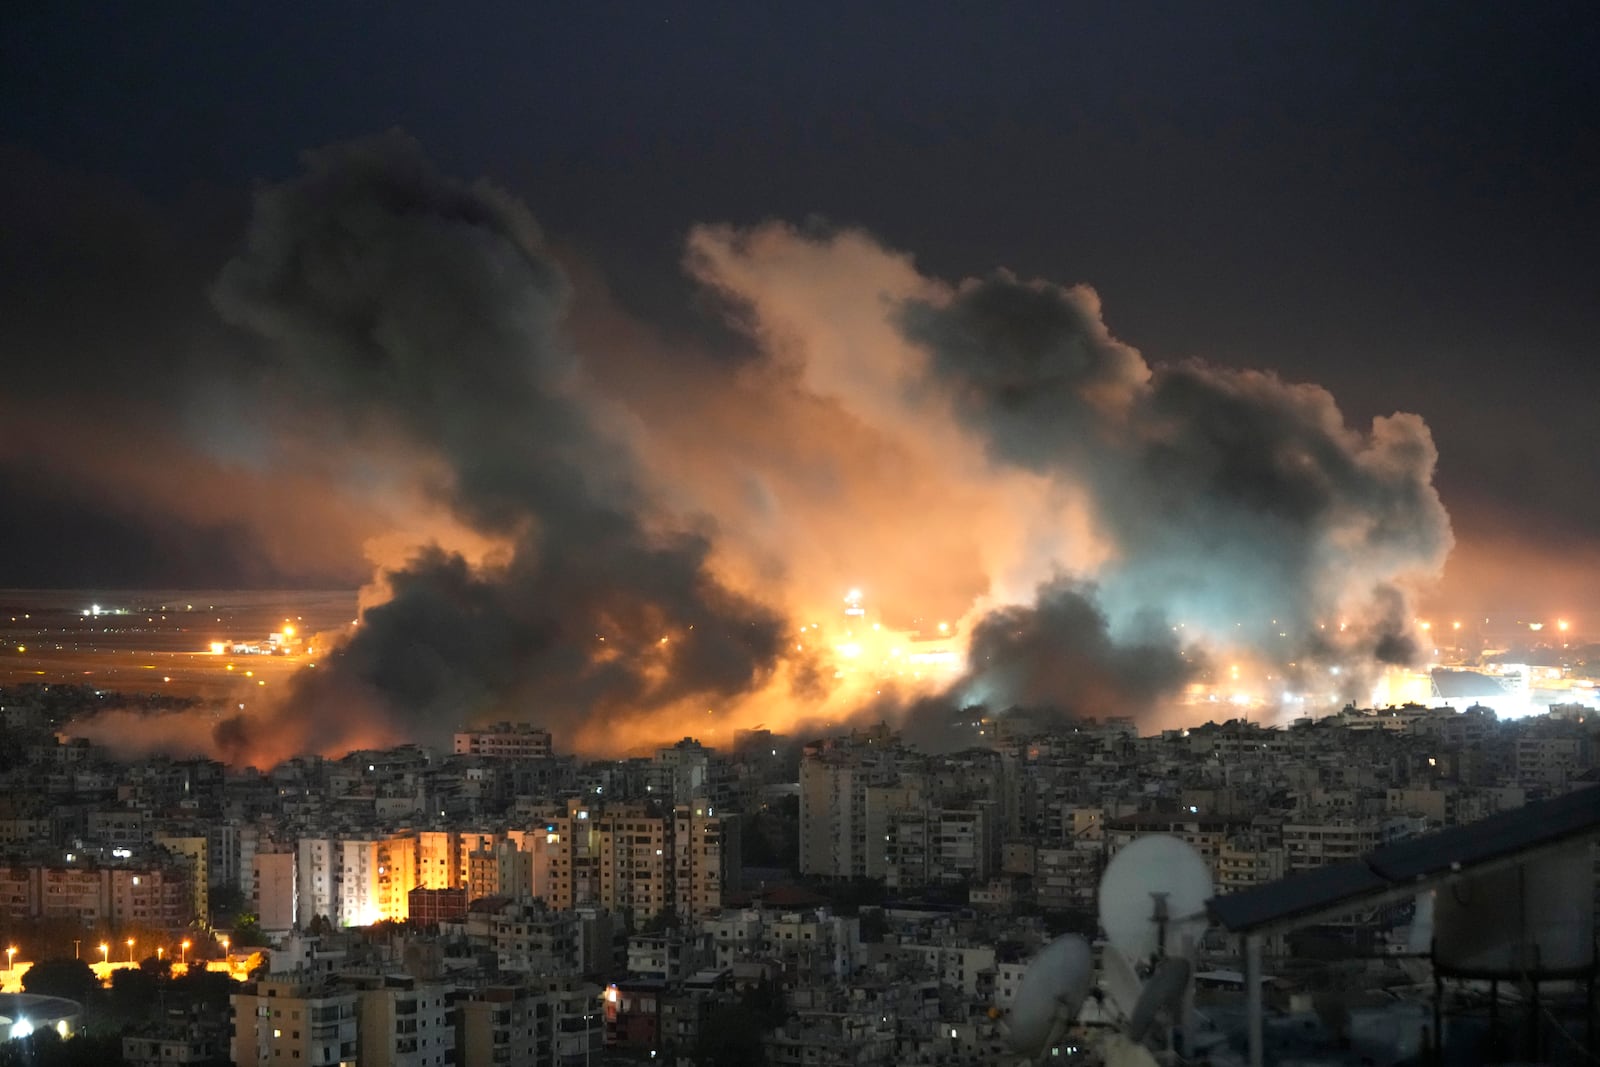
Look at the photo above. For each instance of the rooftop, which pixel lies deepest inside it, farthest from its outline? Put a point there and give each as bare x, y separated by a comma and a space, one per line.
1410, 866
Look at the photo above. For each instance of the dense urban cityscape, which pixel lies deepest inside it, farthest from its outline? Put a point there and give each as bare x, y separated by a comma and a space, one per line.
841, 899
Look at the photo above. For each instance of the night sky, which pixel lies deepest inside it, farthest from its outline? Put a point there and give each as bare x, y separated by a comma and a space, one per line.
1395, 201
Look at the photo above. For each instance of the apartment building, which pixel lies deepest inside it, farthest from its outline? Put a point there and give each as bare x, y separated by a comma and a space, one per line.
505, 740
404, 1022
273, 893
706, 859
1308, 845
505, 1026
95, 895
287, 1019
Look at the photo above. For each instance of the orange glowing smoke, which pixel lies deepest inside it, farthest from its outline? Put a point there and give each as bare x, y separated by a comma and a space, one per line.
647, 541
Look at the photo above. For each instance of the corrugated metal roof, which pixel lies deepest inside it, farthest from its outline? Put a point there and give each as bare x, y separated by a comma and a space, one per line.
1458, 685
1297, 895
1414, 863
1530, 826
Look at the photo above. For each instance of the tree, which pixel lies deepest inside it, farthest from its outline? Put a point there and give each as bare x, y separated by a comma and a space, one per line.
73, 979
247, 932
44, 1048
208, 988
134, 991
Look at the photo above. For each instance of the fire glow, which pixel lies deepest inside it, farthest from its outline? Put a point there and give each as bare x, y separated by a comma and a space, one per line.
617, 537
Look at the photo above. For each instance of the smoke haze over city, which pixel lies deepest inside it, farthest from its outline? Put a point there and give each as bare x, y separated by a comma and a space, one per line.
784, 470
618, 562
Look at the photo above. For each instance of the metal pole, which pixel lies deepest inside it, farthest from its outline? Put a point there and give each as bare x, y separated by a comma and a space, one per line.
1534, 1021
1494, 1017
1252, 981
1588, 1016
1189, 1026
1436, 1056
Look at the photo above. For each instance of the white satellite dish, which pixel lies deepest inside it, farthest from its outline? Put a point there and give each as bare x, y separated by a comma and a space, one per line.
1419, 938
1162, 993
1053, 989
1152, 899
1119, 981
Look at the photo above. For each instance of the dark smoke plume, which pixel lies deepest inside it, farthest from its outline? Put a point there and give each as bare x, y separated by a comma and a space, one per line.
1057, 653
1092, 529
1237, 504
425, 312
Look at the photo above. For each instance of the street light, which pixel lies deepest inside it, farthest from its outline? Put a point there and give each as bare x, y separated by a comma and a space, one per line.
105, 952
130, 950
11, 958
224, 947
183, 952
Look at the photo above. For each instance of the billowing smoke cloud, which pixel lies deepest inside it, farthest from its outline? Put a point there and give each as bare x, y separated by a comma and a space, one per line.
413, 308
1238, 504
1058, 654
630, 540
1230, 509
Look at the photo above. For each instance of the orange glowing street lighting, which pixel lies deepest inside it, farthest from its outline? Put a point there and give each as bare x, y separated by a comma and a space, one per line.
1562, 625
130, 950
183, 952
224, 946
11, 958
105, 952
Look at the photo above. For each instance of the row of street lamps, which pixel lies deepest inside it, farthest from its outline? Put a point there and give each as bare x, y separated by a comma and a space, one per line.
105, 951
183, 947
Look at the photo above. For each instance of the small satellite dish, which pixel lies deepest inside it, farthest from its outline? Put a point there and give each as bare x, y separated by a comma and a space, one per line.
1163, 992
1053, 989
1119, 981
1152, 898
1419, 939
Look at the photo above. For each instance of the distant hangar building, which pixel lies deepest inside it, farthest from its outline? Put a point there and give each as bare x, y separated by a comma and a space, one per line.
23, 1013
